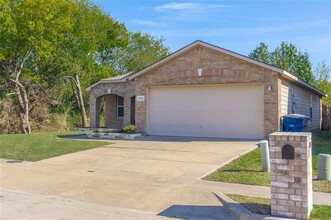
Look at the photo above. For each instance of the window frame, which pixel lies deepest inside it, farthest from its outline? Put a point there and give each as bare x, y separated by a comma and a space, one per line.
119, 106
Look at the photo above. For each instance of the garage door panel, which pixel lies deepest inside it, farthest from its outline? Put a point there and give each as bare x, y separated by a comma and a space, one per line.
188, 117
206, 111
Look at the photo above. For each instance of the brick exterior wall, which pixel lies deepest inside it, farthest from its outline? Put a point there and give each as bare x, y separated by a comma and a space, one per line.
112, 121
291, 179
218, 68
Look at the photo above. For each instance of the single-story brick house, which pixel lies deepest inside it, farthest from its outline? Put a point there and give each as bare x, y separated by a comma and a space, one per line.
203, 90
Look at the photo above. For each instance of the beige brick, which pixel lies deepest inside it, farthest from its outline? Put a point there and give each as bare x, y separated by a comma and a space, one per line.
283, 208
298, 215
279, 196
286, 202
297, 185
297, 198
298, 204
285, 214
277, 161
300, 210
279, 184
285, 167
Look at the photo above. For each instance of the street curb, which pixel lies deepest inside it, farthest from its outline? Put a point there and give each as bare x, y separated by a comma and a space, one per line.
242, 213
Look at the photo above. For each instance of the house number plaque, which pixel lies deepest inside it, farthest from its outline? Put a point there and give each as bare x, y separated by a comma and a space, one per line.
140, 98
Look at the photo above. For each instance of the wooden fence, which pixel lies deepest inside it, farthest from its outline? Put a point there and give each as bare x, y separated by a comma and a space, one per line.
326, 117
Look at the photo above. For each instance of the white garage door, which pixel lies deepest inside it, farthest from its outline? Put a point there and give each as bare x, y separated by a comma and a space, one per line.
206, 111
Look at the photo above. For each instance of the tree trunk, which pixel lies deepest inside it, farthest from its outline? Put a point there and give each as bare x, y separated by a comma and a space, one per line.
23, 106
80, 100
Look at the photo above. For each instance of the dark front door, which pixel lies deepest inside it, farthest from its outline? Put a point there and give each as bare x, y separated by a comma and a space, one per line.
133, 110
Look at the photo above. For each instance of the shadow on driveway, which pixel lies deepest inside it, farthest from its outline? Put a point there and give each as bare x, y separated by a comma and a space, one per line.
197, 212
160, 138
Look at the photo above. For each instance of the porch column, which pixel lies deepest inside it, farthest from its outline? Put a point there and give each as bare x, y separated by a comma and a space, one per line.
108, 102
92, 111
97, 112
127, 110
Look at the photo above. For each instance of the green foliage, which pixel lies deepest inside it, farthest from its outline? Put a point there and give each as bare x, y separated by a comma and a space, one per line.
96, 130
39, 146
142, 50
286, 57
56, 48
130, 129
261, 53
321, 212
245, 170
322, 74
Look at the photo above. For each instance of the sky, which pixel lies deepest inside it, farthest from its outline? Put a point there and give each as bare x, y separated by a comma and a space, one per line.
238, 26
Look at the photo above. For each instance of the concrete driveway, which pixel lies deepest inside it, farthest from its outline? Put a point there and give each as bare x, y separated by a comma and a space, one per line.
155, 174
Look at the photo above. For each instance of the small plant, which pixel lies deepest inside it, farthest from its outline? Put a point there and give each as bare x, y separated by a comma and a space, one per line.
95, 130
130, 129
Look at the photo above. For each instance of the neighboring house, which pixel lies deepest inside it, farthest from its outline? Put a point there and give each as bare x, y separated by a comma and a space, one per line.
203, 90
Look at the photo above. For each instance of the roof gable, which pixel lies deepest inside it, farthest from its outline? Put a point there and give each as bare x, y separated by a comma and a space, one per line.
183, 50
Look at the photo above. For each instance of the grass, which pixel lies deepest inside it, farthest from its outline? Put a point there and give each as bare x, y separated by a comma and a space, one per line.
262, 206
39, 146
247, 169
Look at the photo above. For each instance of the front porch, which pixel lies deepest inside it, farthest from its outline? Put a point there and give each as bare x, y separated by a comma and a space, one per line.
112, 104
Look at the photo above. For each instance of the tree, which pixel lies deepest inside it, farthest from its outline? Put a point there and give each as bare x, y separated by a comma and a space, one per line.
142, 50
286, 57
261, 53
51, 49
30, 31
93, 31
322, 74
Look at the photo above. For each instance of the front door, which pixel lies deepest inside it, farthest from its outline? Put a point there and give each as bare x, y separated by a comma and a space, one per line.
132, 111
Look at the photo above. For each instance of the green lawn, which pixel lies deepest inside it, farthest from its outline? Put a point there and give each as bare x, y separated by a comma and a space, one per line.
262, 206
39, 146
247, 169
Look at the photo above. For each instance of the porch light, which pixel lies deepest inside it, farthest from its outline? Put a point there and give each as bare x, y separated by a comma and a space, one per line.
199, 71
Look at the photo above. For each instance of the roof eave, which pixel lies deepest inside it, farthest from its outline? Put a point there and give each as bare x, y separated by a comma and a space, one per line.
293, 78
88, 89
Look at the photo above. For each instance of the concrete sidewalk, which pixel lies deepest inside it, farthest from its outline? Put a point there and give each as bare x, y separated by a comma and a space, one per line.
19, 205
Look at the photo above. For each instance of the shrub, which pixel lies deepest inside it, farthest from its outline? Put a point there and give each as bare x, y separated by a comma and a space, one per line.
130, 129
96, 130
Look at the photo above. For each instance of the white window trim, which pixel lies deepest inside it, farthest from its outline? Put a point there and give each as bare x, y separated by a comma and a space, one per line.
119, 106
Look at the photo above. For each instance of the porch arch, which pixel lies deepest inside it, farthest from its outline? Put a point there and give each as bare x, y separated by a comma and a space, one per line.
110, 96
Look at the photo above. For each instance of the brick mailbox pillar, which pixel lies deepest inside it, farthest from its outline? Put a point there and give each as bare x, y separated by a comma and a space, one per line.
291, 174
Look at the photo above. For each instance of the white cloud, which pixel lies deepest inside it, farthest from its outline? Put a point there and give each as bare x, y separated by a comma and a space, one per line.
144, 22
187, 6
265, 31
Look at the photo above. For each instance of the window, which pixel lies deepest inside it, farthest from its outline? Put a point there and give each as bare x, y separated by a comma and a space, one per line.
120, 107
